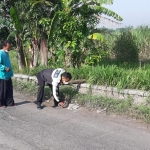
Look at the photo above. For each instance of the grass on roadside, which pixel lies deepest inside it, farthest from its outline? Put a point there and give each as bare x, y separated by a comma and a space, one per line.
122, 76
120, 107
115, 76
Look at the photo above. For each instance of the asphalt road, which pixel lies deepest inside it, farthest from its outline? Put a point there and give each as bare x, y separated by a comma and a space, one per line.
24, 127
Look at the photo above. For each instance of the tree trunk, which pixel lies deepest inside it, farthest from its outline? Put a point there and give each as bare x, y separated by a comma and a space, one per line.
81, 57
31, 57
21, 56
35, 48
44, 52
68, 58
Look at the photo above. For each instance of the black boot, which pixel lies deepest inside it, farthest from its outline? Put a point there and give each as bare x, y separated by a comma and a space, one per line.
39, 106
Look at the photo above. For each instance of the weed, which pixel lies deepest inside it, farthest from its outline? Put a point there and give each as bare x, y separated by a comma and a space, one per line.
121, 107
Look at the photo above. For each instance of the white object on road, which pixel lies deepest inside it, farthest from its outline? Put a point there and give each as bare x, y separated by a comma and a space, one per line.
73, 107
100, 111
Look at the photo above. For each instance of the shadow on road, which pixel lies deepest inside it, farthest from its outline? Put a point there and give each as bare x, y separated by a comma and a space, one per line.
22, 103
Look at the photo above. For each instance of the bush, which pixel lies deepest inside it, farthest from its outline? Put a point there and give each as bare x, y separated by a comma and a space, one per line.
125, 48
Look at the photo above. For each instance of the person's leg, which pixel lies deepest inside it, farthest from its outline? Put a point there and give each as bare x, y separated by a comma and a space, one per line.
9, 93
55, 102
40, 90
2, 92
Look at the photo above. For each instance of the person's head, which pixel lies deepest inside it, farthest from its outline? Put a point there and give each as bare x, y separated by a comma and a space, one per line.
6, 45
66, 77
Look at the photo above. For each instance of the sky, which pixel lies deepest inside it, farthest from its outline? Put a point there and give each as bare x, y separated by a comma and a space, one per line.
133, 12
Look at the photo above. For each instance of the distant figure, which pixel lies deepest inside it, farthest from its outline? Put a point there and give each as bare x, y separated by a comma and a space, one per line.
53, 77
6, 72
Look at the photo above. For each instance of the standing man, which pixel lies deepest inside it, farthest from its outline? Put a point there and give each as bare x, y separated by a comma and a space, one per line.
6, 72
53, 77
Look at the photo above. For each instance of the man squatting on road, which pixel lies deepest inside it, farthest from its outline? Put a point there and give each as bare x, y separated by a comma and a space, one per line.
6, 72
53, 77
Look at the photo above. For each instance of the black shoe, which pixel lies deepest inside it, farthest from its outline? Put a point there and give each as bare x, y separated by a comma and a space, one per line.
39, 106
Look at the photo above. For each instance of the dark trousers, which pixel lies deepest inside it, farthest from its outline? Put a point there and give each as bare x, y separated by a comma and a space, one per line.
6, 93
40, 94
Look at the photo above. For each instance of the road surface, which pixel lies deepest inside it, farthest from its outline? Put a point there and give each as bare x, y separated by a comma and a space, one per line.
24, 127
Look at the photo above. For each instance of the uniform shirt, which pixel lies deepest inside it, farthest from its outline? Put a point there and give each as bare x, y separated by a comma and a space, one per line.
4, 63
46, 75
53, 77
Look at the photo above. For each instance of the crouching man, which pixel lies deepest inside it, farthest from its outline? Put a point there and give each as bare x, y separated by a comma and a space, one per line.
53, 77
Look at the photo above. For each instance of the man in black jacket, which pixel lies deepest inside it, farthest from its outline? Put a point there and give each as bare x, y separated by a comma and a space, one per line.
53, 77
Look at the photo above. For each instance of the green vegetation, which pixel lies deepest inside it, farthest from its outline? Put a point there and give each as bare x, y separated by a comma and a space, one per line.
63, 33
112, 75
123, 62
120, 76
109, 105
50, 32
125, 48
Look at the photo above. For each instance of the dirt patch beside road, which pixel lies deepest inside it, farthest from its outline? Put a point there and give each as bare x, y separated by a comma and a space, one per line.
91, 112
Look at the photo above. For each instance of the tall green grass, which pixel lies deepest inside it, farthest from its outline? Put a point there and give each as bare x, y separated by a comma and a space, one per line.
113, 75
120, 76
110, 75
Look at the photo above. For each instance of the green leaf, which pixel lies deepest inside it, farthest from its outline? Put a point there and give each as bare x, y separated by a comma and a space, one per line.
35, 2
53, 27
12, 34
15, 18
96, 36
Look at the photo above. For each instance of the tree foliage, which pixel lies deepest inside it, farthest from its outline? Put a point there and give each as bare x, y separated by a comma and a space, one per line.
126, 49
65, 27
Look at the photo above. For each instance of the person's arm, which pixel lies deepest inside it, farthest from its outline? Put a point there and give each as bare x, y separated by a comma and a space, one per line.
56, 91
56, 77
2, 67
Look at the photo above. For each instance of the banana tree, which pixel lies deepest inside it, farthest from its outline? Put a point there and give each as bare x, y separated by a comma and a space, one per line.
81, 16
18, 28
41, 26
12, 21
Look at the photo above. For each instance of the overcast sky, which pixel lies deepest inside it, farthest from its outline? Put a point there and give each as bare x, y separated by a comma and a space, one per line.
133, 12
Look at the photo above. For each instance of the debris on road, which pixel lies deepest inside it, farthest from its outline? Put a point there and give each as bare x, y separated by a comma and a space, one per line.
73, 107
100, 111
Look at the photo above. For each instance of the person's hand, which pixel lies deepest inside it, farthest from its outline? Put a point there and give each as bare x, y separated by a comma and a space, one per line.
7, 69
62, 103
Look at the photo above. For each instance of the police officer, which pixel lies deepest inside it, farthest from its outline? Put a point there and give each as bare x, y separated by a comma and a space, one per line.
53, 77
